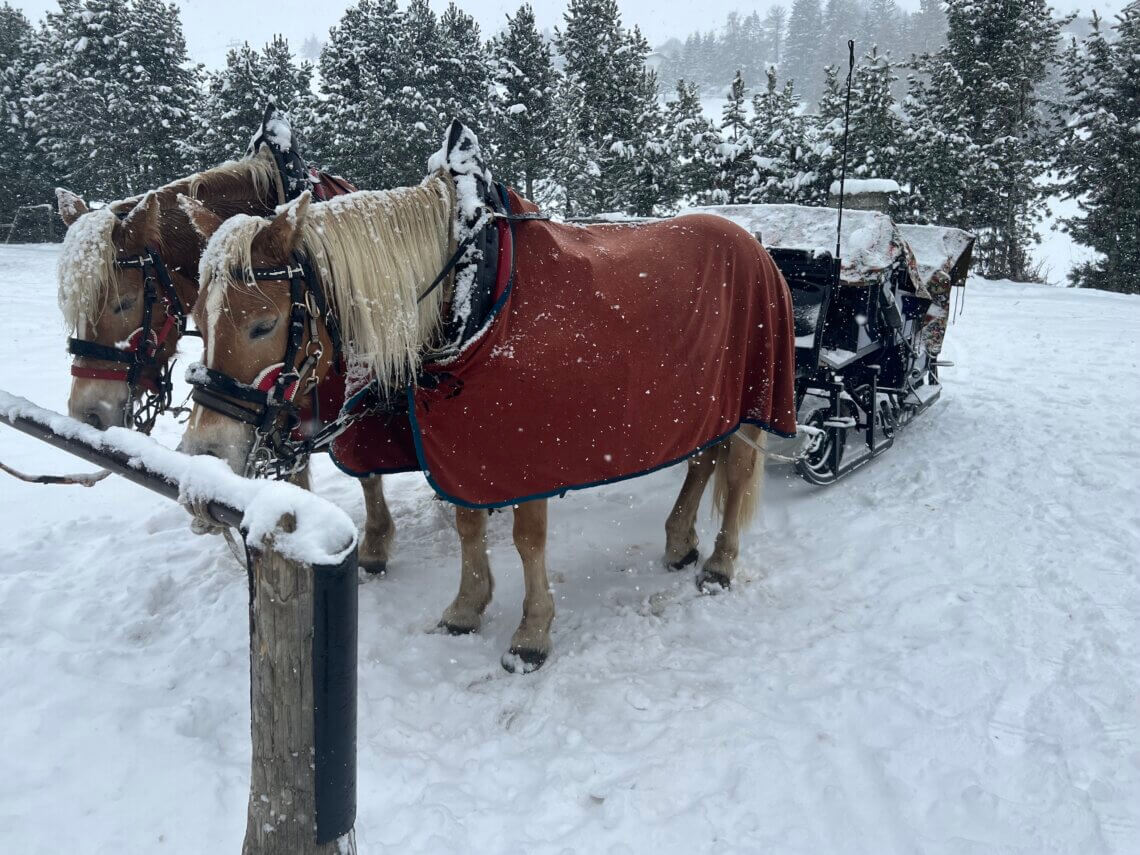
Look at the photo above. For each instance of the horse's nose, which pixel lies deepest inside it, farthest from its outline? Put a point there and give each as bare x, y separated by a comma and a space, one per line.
92, 417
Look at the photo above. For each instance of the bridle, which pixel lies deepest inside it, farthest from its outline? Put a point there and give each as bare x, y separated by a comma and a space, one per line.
148, 396
270, 403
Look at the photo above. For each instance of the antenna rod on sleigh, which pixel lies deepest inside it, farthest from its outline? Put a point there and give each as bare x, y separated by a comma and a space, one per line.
843, 166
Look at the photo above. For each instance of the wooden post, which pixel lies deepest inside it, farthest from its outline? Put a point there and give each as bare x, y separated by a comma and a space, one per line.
302, 634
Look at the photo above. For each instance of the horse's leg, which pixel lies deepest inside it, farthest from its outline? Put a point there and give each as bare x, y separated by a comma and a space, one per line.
302, 478
681, 525
739, 480
475, 583
379, 530
530, 645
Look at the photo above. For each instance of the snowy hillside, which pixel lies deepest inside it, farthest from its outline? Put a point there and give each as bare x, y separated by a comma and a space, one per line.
939, 655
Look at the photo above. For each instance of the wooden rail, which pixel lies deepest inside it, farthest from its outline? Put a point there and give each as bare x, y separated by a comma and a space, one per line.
303, 630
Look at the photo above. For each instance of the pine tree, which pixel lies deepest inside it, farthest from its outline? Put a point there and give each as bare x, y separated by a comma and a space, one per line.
875, 128
79, 102
525, 77
735, 178
692, 141
163, 93
614, 156
825, 152
802, 48
978, 97
774, 28
783, 170
24, 177
464, 73
237, 95
360, 72
1100, 156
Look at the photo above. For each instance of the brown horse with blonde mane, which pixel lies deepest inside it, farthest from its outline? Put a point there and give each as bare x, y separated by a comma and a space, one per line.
128, 279
375, 259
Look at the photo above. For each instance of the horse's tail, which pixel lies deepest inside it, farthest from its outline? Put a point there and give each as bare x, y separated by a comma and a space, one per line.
754, 489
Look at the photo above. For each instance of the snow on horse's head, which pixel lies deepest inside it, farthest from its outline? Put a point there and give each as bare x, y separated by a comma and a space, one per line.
103, 302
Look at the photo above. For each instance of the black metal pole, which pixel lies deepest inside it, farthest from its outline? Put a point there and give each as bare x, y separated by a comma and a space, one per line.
334, 697
846, 123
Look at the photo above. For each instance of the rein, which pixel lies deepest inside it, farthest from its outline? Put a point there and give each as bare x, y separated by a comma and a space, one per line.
142, 345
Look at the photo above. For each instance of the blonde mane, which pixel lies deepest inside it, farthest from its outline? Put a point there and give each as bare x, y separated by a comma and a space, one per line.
374, 251
86, 269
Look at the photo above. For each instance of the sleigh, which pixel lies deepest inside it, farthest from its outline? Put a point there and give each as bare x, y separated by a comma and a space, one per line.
869, 324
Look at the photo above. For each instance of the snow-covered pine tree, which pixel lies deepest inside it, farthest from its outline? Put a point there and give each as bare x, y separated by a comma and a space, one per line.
881, 25
236, 97
1100, 155
163, 88
416, 104
782, 170
774, 29
802, 55
79, 102
979, 89
360, 70
692, 140
614, 111
825, 138
525, 127
464, 75
735, 175
25, 181
876, 129
927, 27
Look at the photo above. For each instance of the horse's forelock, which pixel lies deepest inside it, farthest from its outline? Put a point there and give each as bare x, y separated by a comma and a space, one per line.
86, 267
229, 248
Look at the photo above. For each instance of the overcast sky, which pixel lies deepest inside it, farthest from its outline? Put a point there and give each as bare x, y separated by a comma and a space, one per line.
212, 25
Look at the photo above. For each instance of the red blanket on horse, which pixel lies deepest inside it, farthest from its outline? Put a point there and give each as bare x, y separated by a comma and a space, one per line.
615, 350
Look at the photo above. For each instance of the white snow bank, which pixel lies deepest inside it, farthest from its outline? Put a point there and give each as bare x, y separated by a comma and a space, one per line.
324, 533
853, 186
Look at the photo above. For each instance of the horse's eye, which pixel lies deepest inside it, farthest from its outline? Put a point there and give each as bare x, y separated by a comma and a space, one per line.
263, 328
123, 304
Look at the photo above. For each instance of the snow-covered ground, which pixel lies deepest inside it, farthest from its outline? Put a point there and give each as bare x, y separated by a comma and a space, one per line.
939, 655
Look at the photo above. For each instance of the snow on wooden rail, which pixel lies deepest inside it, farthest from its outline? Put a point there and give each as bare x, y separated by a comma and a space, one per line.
324, 533
301, 559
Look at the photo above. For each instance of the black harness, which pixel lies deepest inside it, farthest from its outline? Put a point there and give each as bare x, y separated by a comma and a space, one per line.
147, 397
270, 405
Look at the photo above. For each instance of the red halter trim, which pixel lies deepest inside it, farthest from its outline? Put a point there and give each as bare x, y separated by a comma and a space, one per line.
268, 376
134, 341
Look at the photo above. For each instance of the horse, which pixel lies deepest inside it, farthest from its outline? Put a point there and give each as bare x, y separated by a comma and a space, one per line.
128, 278
372, 255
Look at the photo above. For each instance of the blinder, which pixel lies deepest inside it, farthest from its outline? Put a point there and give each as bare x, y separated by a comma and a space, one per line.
269, 404
141, 348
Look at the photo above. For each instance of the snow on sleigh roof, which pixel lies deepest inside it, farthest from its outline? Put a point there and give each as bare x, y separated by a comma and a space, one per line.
936, 248
871, 242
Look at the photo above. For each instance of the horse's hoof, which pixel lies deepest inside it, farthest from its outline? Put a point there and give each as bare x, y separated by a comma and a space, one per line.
712, 582
690, 558
519, 660
455, 629
375, 568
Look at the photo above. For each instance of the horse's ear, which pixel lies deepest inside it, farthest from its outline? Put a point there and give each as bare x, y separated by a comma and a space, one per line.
284, 233
71, 207
454, 134
140, 228
204, 221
